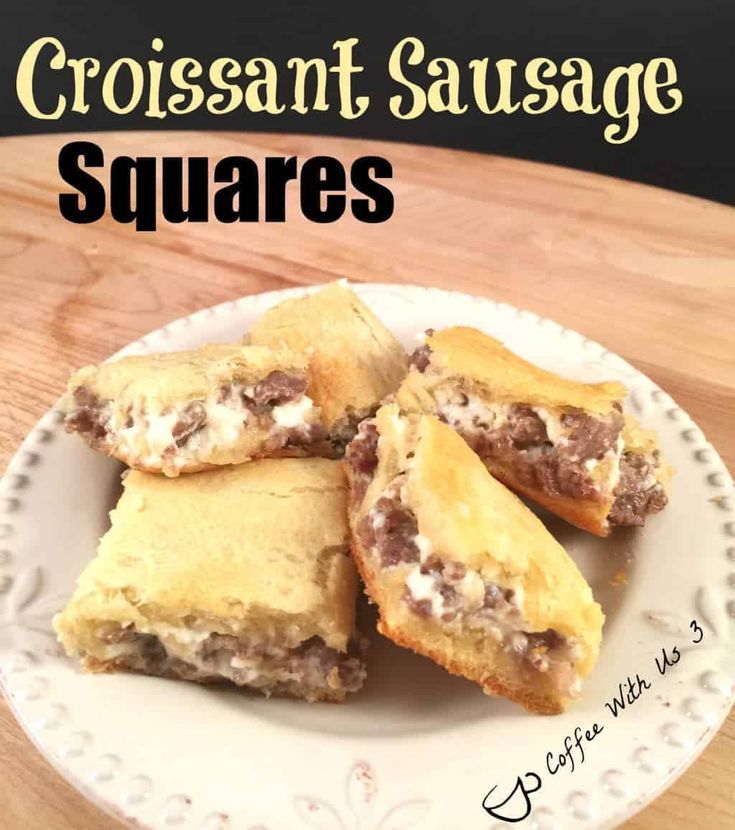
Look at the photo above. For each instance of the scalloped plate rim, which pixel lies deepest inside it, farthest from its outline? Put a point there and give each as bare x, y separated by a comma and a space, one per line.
628, 807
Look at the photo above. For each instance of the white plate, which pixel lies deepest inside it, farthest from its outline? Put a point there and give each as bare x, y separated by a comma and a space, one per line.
416, 748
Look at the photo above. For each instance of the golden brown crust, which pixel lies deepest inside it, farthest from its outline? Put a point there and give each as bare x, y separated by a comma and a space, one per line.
258, 548
466, 516
155, 469
469, 353
168, 378
472, 518
467, 359
491, 683
143, 397
354, 361
185, 469
585, 514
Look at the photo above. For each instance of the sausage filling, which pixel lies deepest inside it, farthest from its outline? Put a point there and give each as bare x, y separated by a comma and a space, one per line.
310, 669
570, 454
362, 456
455, 596
638, 492
345, 429
177, 436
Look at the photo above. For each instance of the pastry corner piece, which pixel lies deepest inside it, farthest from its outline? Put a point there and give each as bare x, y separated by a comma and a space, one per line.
461, 570
566, 445
183, 412
239, 574
354, 361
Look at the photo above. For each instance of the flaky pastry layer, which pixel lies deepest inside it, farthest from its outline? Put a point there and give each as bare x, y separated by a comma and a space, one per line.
354, 360
480, 565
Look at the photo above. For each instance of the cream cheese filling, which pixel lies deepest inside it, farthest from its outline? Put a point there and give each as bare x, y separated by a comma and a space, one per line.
612, 457
552, 421
475, 411
293, 414
504, 623
184, 641
252, 667
424, 587
492, 415
149, 438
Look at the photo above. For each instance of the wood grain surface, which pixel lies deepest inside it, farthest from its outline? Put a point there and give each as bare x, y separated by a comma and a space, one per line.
648, 273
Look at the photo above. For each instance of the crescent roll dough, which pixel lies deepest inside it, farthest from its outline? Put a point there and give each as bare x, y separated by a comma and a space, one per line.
240, 573
564, 444
354, 361
462, 571
182, 412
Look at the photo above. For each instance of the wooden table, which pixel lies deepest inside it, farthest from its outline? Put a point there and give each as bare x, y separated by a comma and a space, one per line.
649, 273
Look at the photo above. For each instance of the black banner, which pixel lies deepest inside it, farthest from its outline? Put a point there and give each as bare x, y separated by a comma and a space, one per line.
687, 148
